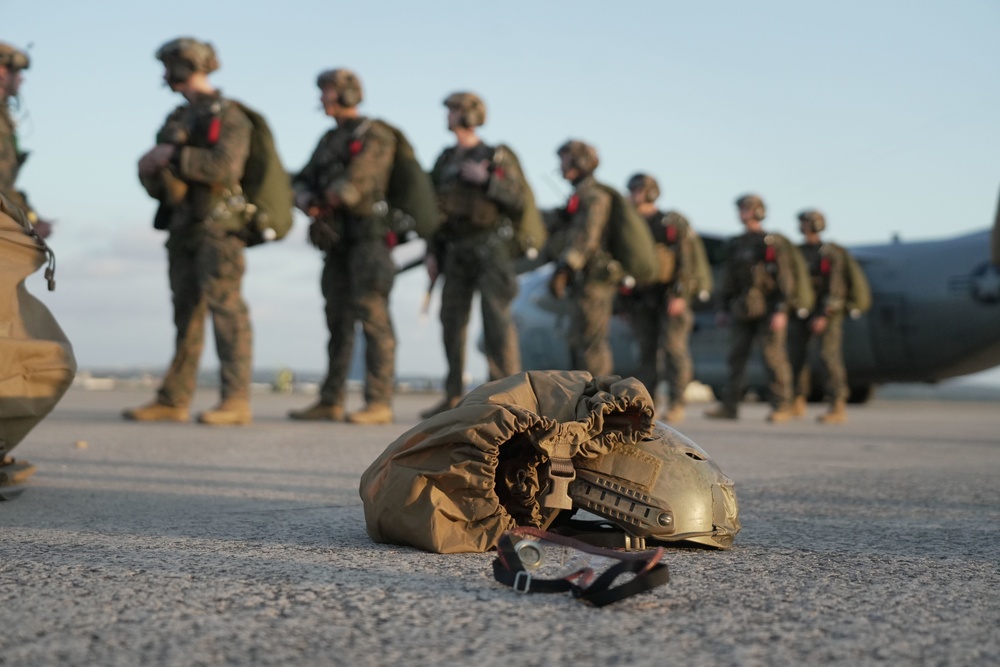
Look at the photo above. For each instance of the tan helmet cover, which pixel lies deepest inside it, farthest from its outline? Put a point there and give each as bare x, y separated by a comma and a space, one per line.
345, 82
13, 58
583, 156
813, 218
646, 183
185, 55
663, 488
471, 106
754, 204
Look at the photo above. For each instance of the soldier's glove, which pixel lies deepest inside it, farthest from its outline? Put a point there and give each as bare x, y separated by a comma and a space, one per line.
323, 236
558, 283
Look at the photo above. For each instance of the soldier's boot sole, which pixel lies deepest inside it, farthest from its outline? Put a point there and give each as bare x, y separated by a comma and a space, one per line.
780, 416
318, 412
836, 415
376, 413
157, 412
13, 471
228, 413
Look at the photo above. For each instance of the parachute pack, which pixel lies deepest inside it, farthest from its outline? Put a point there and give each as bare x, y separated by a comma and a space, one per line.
266, 185
859, 292
701, 284
530, 231
630, 240
803, 298
410, 193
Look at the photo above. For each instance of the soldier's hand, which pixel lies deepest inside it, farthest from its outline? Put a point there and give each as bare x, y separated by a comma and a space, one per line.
558, 283
779, 322
431, 262
43, 229
160, 154
818, 325
676, 306
476, 173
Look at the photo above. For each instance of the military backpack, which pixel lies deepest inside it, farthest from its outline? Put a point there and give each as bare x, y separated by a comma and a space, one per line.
630, 241
859, 293
530, 231
700, 286
803, 297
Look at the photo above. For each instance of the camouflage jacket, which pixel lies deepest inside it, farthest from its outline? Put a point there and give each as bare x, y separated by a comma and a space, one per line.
11, 159
354, 162
828, 268
587, 214
212, 140
467, 207
758, 267
671, 229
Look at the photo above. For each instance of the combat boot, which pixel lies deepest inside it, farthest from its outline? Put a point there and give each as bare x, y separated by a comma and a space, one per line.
373, 413
319, 412
156, 412
781, 414
14, 472
230, 412
721, 412
799, 406
674, 414
836, 415
446, 404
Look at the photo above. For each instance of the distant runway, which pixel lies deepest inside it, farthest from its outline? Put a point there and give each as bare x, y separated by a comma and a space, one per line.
873, 542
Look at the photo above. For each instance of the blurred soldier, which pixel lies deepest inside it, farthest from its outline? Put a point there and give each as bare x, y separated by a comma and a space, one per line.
195, 170
757, 285
584, 265
479, 190
342, 189
12, 63
828, 268
661, 311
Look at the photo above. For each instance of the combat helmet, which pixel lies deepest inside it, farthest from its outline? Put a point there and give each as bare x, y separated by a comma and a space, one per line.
184, 56
754, 204
345, 82
13, 58
471, 106
647, 184
813, 218
663, 489
583, 156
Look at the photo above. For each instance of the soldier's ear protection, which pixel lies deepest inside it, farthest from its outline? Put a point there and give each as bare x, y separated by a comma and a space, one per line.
814, 219
349, 94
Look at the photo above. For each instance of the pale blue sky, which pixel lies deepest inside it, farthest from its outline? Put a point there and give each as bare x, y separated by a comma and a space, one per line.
882, 114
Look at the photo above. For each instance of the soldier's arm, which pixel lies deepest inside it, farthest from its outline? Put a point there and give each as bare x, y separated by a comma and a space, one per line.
730, 286
505, 185
836, 297
685, 254
9, 164
223, 163
585, 239
786, 275
308, 178
367, 176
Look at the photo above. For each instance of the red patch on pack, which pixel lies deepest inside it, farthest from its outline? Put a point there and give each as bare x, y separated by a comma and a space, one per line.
824, 266
391, 240
770, 254
498, 172
671, 234
573, 205
214, 129
356, 146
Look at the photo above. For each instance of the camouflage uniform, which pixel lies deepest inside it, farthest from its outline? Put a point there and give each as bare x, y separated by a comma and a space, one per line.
655, 329
595, 276
758, 279
475, 243
11, 158
354, 161
206, 263
828, 268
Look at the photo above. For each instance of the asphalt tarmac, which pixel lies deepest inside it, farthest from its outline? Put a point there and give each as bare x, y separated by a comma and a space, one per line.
875, 542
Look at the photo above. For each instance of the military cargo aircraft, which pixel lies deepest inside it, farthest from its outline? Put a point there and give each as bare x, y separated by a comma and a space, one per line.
935, 315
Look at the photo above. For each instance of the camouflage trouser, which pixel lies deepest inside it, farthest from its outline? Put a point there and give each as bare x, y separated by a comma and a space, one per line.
830, 354
590, 320
483, 264
357, 278
657, 331
205, 275
779, 371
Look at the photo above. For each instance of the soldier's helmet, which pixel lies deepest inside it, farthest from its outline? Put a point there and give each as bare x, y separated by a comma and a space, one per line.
813, 218
754, 204
184, 56
345, 82
582, 156
664, 489
13, 58
646, 184
471, 106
